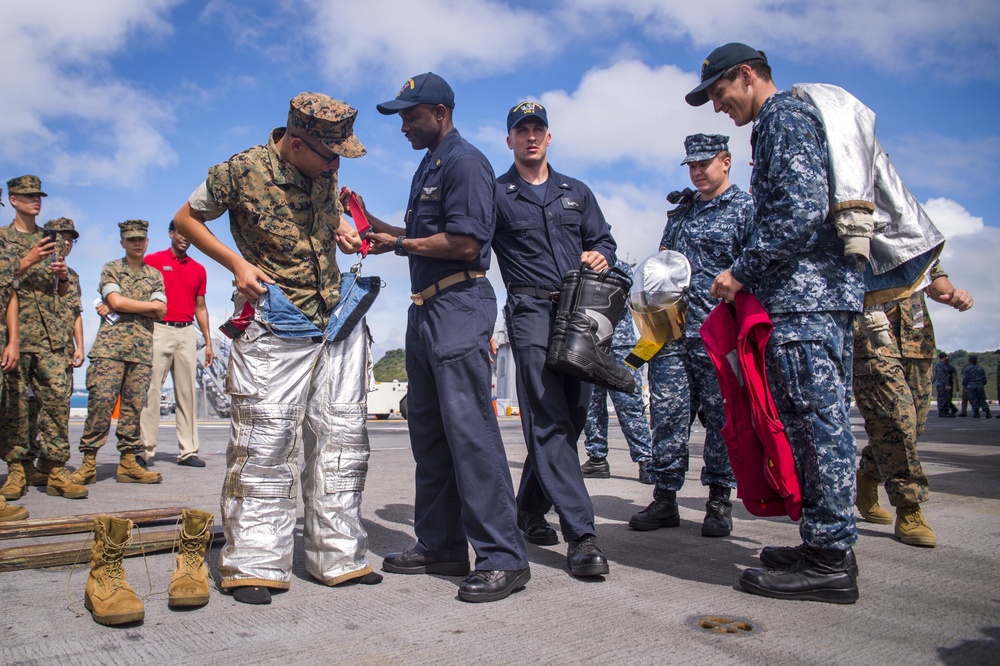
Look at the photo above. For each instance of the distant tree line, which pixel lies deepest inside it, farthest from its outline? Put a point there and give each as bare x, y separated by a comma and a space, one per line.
987, 361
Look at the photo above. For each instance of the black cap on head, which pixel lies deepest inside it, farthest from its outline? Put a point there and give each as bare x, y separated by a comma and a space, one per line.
427, 88
942, 355
526, 110
717, 62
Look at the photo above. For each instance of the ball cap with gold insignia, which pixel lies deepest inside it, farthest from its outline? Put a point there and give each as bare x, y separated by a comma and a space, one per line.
717, 62
133, 228
328, 120
701, 147
63, 224
26, 184
426, 88
526, 110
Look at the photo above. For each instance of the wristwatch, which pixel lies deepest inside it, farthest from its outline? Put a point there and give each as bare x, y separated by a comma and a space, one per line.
399, 246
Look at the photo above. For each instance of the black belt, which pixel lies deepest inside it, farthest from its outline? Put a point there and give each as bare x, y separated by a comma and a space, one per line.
175, 324
536, 292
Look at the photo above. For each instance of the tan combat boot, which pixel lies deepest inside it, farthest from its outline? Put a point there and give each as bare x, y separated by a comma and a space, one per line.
867, 502
86, 473
16, 484
60, 483
36, 476
11, 512
129, 471
911, 528
189, 584
109, 597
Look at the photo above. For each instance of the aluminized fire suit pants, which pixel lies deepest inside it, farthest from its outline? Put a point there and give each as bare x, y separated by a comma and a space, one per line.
279, 385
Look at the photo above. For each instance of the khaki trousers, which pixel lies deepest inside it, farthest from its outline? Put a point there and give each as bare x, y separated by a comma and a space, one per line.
174, 351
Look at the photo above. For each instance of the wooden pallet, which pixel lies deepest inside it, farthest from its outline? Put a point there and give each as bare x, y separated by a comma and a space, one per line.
36, 527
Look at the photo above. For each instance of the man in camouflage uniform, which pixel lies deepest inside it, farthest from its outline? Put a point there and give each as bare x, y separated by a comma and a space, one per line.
796, 266
945, 378
285, 217
42, 284
710, 228
974, 383
629, 409
892, 387
121, 357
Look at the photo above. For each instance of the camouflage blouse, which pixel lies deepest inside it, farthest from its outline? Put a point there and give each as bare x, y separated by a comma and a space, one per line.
131, 338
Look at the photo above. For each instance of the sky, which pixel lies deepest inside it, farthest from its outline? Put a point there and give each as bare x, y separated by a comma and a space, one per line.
122, 106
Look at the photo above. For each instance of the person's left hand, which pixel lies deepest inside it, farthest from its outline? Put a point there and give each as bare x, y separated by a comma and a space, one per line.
77, 358
59, 268
595, 261
381, 243
209, 356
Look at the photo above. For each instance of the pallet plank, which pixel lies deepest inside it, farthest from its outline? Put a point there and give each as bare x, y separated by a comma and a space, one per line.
35, 527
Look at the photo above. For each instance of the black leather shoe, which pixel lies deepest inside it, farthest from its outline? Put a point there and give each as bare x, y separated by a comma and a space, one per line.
536, 529
492, 585
662, 512
819, 575
585, 558
784, 557
596, 468
412, 562
644, 476
191, 461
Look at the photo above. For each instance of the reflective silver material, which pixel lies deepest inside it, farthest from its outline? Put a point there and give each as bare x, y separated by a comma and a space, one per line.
286, 390
656, 298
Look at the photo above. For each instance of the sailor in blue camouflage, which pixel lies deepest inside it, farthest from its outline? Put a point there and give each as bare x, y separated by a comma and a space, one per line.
974, 383
710, 227
629, 407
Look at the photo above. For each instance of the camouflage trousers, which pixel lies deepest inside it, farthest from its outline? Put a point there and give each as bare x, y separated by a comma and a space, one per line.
977, 400
893, 395
681, 376
47, 376
631, 413
107, 379
944, 400
809, 369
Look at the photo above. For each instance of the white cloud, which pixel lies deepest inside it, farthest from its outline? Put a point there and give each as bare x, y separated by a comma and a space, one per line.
56, 55
952, 219
959, 166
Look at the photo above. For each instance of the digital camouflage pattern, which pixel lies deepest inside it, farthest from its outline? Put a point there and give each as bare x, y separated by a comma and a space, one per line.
52, 385
63, 224
794, 261
945, 379
108, 378
39, 318
629, 407
283, 223
701, 147
326, 119
910, 329
10, 260
131, 338
133, 228
974, 384
809, 363
26, 184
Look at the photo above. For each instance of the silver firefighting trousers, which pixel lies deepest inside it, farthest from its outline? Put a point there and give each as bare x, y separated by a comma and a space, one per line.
285, 390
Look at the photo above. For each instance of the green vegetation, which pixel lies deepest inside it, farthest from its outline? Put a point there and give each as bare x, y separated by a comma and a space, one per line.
391, 366
987, 361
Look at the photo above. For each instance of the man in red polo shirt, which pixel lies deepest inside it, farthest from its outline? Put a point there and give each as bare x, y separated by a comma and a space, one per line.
174, 348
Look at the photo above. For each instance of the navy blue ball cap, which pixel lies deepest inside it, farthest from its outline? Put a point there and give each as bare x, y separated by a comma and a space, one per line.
427, 88
717, 62
526, 110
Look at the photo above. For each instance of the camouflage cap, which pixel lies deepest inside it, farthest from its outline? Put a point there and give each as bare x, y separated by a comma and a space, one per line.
26, 184
133, 228
700, 147
63, 224
326, 119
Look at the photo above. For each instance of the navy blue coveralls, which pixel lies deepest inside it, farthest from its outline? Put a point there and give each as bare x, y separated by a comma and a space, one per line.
536, 243
464, 492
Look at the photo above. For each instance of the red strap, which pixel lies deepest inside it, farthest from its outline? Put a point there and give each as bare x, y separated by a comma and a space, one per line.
361, 222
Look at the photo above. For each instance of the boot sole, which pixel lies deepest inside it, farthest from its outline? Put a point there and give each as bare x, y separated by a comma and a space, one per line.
13, 496
124, 478
715, 532
110, 620
875, 520
600, 569
516, 585
649, 527
73, 494
17, 515
597, 475
826, 596
187, 602
921, 542
437, 568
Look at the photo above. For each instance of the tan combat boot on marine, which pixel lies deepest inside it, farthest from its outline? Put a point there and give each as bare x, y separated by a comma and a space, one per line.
16, 484
60, 483
36, 476
189, 584
867, 502
86, 473
109, 597
129, 471
911, 528
10, 512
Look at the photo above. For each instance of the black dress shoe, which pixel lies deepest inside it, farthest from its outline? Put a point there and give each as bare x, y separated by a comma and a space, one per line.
412, 562
784, 557
819, 575
585, 558
596, 468
492, 585
191, 461
536, 529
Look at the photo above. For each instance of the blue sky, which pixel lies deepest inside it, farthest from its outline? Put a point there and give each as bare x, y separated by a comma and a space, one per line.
121, 106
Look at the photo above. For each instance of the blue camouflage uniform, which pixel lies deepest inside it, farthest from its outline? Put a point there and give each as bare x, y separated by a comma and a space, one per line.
974, 383
795, 265
464, 493
945, 377
682, 379
540, 234
629, 407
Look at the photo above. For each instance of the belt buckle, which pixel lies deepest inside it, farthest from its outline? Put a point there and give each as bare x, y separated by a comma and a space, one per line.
417, 299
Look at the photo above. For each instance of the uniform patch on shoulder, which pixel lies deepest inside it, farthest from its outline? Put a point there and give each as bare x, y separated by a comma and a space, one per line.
569, 203
512, 187
430, 193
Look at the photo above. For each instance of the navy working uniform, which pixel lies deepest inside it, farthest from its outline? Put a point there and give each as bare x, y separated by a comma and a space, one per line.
464, 492
540, 235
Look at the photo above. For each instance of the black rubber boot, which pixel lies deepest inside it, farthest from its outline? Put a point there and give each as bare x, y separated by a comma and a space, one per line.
567, 303
585, 352
662, 512
819, 575
718, 513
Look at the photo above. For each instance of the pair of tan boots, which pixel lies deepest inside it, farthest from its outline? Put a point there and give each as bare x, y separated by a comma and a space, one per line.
109, 597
